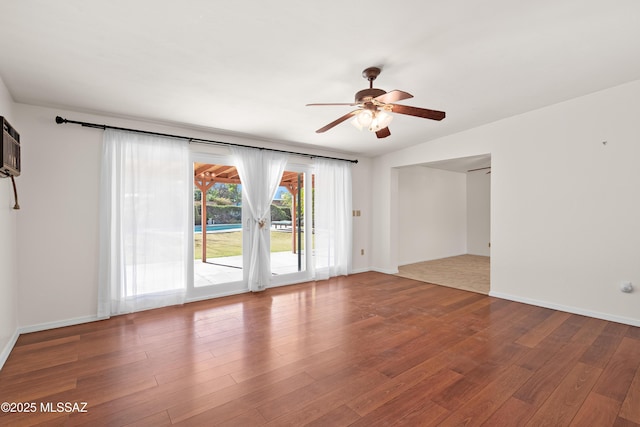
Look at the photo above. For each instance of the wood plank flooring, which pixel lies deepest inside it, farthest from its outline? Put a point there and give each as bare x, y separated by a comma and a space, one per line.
365, 350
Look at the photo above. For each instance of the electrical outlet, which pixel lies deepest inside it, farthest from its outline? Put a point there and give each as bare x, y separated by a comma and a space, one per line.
361, 251
626, 287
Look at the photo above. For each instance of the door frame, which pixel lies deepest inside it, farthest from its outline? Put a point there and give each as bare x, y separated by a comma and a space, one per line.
231, 288
219, 289
307, 273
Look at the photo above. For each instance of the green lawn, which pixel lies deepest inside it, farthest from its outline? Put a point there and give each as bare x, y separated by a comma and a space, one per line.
230, 244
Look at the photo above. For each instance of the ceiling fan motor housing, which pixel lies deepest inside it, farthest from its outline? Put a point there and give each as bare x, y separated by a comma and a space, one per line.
366, 95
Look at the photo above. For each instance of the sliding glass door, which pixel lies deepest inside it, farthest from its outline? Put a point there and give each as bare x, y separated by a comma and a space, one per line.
291, 226
217, 202
221, 242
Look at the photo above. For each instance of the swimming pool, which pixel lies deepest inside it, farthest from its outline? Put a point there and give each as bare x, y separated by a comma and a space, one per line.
218, 227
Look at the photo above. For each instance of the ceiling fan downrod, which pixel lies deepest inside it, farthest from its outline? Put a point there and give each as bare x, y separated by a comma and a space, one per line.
371, 74
365, 96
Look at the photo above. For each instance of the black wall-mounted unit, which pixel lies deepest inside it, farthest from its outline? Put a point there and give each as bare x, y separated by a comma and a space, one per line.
10, 153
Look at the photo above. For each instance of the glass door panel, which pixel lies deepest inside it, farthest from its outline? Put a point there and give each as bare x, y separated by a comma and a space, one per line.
288, 226
217, 225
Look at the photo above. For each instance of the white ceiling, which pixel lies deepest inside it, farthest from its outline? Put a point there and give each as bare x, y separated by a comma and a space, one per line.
250, 66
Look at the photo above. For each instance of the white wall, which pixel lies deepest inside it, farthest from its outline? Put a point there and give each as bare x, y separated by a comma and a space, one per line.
361, 176
478, 213
432, 214
58, 223
564, 206
8, 248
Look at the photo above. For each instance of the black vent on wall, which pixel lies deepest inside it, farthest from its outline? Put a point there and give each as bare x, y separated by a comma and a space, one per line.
10, 153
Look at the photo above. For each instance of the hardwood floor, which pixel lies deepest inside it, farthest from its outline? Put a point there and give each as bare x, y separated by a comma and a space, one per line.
368, 349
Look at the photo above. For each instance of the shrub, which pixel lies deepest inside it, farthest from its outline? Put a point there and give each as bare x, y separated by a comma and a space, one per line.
280, 214
225, 214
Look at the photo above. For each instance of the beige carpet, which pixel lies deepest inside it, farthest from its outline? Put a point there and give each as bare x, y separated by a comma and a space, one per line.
467, 272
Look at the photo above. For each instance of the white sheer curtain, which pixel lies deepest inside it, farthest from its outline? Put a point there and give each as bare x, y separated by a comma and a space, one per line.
333, 221
144, 200
260, 173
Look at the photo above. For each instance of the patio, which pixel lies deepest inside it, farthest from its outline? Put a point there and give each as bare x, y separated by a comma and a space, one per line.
229, 269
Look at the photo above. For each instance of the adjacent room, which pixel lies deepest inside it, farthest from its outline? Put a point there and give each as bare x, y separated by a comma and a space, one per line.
445, 223
320, 213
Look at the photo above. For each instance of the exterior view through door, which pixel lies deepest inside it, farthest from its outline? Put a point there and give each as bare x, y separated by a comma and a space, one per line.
218, 225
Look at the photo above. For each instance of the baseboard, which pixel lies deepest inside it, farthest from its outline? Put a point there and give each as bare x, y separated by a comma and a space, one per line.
218, 295
568, 309
360, 270
6, 351
59, 324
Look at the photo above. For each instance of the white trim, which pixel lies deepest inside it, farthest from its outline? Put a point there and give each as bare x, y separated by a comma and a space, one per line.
361, 270
59, 324
568, 309
299, 278
215, 296
6, 351
385, 271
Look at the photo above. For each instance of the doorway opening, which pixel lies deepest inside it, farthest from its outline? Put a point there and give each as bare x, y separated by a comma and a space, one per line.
444, 222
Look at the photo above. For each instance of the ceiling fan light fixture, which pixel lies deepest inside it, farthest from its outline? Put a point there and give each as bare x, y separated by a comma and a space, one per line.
380, 121
356, 123
372, 120
365, 117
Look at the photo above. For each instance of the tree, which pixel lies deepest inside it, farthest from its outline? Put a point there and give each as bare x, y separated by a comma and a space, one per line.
231, 192
287, 202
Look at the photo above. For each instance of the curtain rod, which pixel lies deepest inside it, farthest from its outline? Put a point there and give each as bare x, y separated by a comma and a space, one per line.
60, 120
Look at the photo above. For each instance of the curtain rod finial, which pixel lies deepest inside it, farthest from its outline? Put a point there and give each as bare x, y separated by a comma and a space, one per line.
60, 120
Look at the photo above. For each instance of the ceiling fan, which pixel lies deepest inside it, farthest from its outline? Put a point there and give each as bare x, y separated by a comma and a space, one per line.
374, 106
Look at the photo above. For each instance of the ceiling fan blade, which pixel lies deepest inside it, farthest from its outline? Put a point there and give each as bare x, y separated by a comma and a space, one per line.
418, 112
338, 103
337, 121
383, 133
393, 96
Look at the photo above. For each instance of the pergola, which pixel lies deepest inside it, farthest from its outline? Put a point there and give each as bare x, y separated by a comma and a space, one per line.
206, 175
